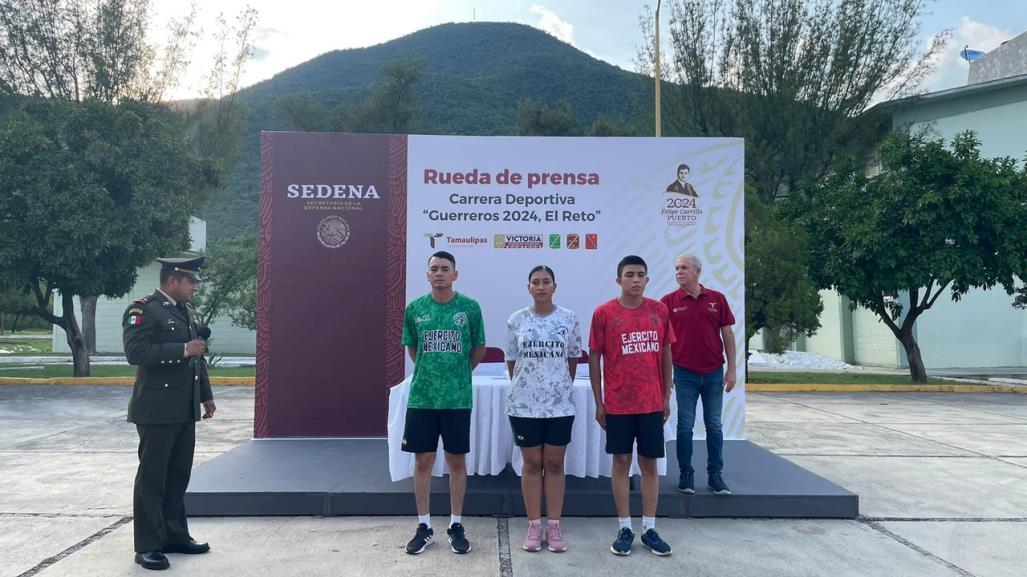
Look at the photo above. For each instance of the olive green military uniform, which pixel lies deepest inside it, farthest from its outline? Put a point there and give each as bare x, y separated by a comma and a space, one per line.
165, 406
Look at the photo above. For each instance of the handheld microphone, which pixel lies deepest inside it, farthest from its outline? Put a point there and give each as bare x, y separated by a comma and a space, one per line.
203, 334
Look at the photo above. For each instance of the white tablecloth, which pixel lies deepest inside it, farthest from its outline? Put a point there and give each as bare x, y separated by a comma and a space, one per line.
492, 446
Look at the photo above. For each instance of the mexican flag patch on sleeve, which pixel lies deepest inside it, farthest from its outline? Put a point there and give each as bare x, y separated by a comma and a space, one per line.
134, 320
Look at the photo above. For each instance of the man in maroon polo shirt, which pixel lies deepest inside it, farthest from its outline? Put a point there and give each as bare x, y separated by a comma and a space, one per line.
702, 322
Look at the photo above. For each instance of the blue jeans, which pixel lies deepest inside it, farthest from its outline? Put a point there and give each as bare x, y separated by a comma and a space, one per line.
688, 388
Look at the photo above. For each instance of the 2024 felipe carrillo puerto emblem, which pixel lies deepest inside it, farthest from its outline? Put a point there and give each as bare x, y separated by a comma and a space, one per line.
333, 231
681, 200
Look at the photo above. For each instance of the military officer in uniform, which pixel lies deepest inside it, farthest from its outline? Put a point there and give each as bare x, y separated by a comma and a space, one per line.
160, 336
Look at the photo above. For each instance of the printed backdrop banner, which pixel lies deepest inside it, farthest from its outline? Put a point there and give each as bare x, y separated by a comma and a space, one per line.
339, 261
503, 205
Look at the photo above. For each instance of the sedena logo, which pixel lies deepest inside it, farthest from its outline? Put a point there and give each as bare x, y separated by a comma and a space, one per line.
350, 191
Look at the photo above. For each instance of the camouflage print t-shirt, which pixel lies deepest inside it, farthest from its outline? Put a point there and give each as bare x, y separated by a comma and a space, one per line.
541, 387
444, 335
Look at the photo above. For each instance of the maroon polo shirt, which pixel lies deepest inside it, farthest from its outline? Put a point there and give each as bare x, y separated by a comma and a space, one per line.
697, 323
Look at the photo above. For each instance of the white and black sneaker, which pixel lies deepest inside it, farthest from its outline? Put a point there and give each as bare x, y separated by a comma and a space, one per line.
458, 542
422, 538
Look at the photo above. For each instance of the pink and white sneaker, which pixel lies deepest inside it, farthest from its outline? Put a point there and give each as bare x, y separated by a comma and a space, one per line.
533, 542
554, 538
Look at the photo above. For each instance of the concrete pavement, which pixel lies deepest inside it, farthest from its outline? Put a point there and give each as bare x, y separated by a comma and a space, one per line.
942, 480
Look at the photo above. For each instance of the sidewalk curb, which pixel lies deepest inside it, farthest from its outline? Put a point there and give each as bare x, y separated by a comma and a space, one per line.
220, 381
870, 388
752, 387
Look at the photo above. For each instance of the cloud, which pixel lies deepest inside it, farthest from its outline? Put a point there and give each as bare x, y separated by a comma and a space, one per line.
551, 23
260, 53
267, 34
951, 70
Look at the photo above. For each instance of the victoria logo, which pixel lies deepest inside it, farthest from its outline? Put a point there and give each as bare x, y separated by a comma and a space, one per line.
333, 231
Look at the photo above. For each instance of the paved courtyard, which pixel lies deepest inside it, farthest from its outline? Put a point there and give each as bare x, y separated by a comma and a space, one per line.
942, 480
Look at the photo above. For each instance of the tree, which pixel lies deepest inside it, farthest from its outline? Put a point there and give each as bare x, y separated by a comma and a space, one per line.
15, 303
793, 77
229, 280
76, 51
934, 220
391, 106
73, 50
780, 296
89, 192
605, 125
536, 118
218, 122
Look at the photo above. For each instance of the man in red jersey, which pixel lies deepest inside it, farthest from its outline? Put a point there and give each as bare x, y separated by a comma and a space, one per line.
702, 322
632, 335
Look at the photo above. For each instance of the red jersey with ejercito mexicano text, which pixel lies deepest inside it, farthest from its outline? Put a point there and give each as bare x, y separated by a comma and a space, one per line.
631, 342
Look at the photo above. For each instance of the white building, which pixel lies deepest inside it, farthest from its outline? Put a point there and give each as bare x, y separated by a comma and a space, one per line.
982, 330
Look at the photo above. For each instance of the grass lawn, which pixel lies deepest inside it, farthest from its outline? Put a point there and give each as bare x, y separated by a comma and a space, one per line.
47, 371
26, 347
801, 378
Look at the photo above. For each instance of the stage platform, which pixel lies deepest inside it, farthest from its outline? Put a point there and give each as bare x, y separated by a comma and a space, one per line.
351, 477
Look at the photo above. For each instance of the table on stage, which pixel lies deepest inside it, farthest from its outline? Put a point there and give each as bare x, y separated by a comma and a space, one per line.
492, 445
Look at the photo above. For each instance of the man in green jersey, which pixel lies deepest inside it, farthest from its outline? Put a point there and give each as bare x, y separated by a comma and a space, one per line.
445, 336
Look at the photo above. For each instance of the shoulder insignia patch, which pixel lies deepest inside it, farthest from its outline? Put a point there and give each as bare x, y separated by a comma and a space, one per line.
135, 311
142, 301
134, 320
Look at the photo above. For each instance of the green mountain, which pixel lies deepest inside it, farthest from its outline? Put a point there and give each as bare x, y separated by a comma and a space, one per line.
474, 75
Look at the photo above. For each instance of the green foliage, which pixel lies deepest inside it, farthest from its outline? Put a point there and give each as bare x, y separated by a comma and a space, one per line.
230, 282
779, 295
96, 190
792, 77
610, 126
535, 118
17, 311
73, 50
935, 219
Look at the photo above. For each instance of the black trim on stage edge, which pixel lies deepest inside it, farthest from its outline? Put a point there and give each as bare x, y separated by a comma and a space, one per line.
348, 477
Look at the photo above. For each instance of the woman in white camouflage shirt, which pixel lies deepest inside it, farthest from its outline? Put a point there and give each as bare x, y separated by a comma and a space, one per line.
543, 344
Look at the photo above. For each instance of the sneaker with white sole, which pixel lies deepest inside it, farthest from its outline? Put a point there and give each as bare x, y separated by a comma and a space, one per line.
554, 538
458, 542
717, 485
422, 538
652, 540
533, 541
622, 546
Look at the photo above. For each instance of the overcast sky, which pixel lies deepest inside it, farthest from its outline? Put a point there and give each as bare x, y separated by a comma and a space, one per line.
292, 32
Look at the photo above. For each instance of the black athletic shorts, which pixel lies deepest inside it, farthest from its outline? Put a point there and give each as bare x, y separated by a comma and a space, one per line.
623, 430
424, 426
530, 432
